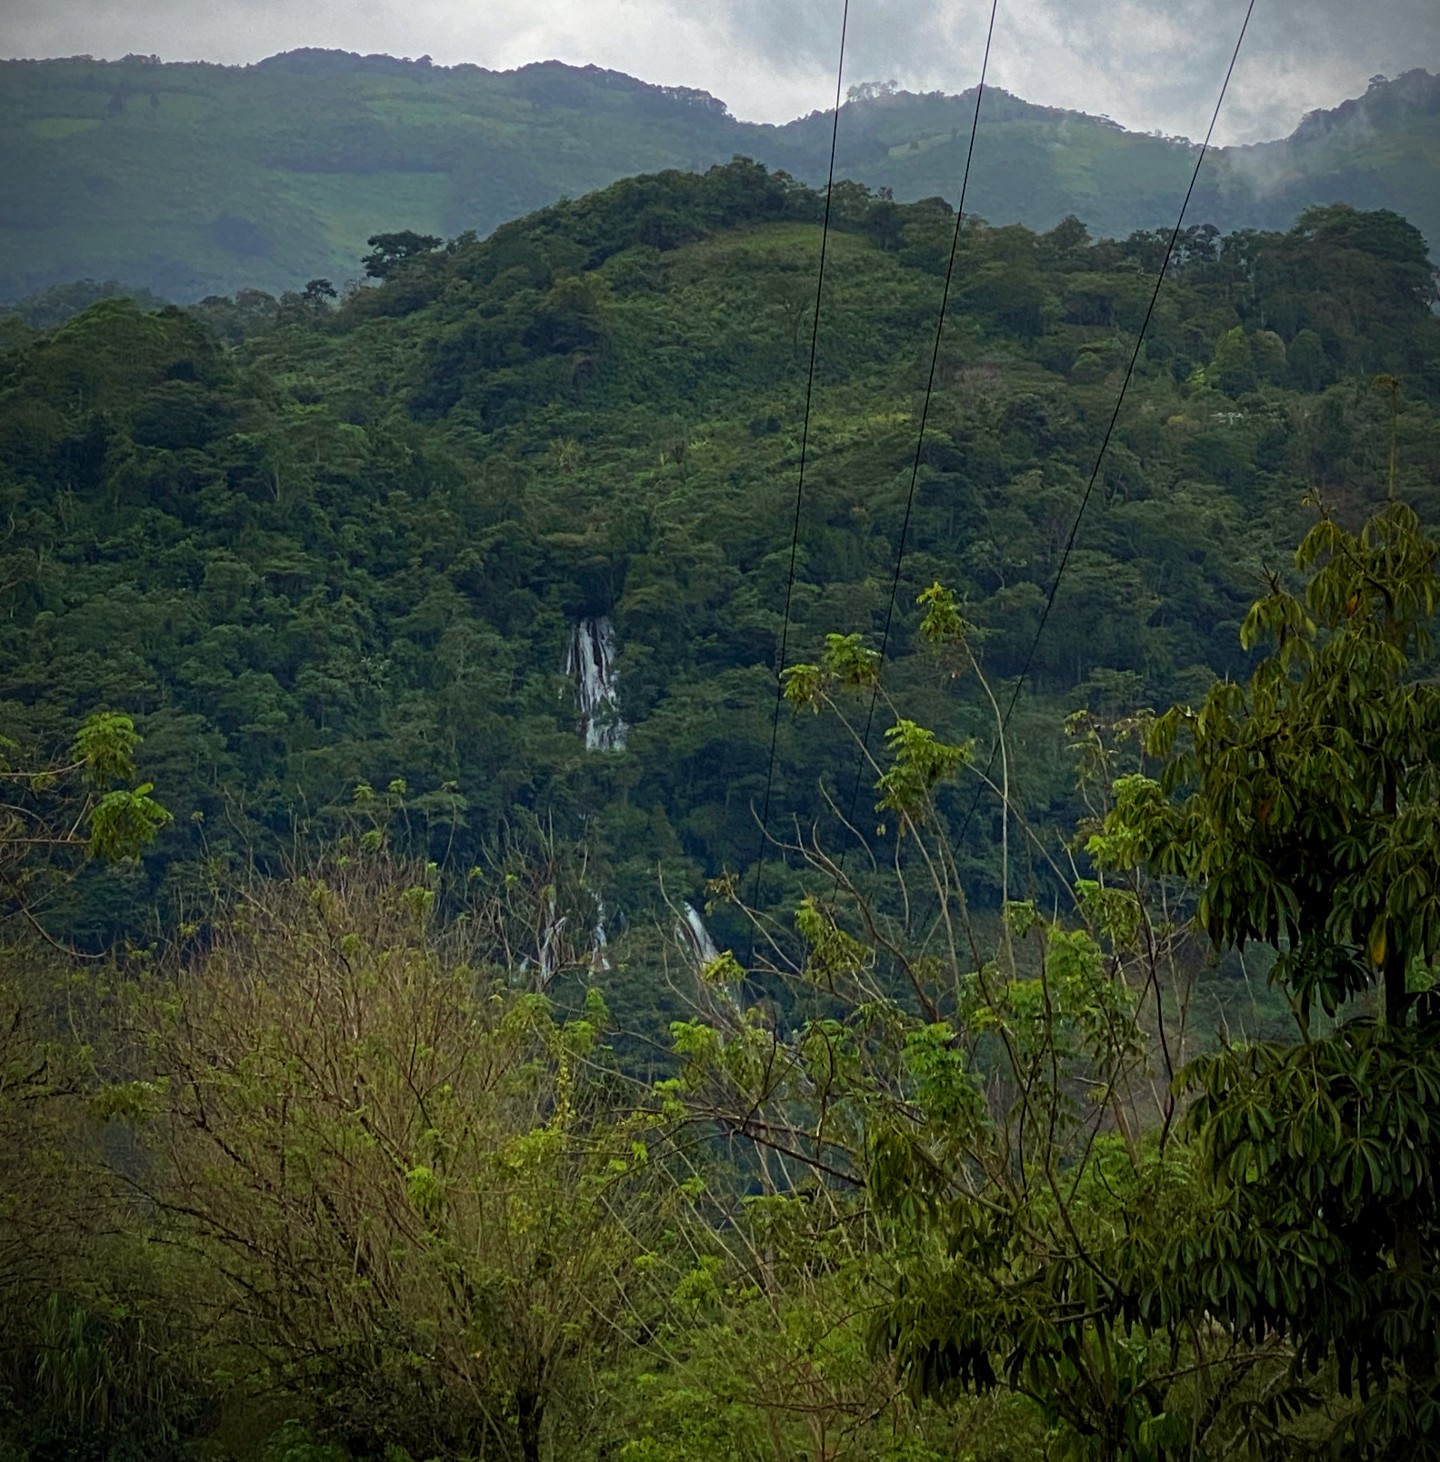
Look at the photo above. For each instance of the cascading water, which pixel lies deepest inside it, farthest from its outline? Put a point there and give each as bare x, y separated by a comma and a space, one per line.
590, 663
721, 997
552, 925
556, 952
599, 957
697, 936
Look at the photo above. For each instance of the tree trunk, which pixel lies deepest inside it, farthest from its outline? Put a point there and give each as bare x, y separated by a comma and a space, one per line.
530, 1411
1397, 1002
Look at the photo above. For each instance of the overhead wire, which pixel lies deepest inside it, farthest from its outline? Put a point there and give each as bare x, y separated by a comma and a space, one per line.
924, 419
804, 447
1110, 428
925, 409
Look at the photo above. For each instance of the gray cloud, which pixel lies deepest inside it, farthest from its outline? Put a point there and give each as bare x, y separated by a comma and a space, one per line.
1147, 63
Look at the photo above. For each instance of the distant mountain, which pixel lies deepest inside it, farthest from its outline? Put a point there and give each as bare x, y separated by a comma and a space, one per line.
191, 179
1034, 165
1381, 150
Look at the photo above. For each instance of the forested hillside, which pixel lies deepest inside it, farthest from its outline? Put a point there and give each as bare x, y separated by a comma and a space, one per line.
356, 547
191, 179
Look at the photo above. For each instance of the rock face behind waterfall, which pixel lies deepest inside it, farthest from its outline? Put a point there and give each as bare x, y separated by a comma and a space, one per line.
590, 663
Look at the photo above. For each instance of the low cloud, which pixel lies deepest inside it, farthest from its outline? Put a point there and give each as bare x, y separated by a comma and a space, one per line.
1147, 63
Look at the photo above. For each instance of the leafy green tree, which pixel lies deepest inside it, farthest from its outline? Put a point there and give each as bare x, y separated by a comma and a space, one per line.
1309, 367
389, 253
1302, 808
420, 1211
1362, 280
57, 817
81, 1357
318, 293
1233, 368
1307, 823
977, 1090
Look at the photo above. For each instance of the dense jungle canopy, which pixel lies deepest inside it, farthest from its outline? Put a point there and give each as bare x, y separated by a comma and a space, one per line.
312, 546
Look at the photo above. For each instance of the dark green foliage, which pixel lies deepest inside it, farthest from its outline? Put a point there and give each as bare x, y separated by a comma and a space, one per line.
1255, 1275
1305, 818
57, 816
58, 303
352, 548
1325, 1155
1309, 823
389, 253
422, 1207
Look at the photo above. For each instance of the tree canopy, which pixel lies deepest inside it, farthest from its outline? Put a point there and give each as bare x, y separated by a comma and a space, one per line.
352, 546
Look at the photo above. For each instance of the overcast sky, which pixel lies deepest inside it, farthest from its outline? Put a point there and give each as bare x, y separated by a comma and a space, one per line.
1146, 63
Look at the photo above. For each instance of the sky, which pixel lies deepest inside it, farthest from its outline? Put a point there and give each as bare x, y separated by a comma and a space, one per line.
1149, 64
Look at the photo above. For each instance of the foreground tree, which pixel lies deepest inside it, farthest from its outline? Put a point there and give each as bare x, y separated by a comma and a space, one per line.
972, 1098
1304, 807
83, 1364
423, 1218
1261, 1275
58, 816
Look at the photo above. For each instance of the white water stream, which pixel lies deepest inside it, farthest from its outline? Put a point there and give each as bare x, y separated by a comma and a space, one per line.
697, 936
723, 998
599, 955
590, 663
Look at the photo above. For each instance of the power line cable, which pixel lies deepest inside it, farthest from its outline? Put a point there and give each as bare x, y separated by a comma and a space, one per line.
804, 445
924, 419
1109, 430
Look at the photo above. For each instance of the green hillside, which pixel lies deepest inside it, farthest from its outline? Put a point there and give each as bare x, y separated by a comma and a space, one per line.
356, 548
199, 178
194, 179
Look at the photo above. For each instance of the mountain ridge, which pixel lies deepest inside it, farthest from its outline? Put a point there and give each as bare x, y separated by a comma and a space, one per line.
191, 178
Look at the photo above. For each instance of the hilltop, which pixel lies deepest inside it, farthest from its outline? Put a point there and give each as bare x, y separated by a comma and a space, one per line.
191, 179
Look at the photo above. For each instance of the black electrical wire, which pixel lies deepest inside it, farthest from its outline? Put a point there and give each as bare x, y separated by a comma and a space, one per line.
1109, 430
924, 419
804, 445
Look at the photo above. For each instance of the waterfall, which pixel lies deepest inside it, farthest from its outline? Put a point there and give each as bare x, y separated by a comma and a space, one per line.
723, 999
590, 663
558, 952
540, 971
599, 955
697, 936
